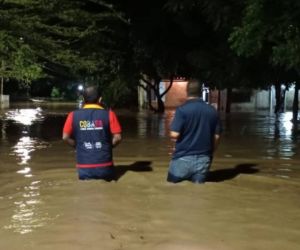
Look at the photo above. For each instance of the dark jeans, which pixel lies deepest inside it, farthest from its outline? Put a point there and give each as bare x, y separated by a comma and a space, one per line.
193, 168
103, 173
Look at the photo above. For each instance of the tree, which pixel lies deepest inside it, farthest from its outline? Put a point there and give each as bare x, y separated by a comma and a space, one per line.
207, 25
157, 47
71, 39
272, 28
17, 61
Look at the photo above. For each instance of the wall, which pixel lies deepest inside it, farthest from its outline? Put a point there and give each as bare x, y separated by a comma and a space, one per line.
259, 99
264, 100
4, 101
176, 95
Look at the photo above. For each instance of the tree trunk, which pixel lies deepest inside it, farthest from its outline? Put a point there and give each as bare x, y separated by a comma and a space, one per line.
1, 88
160, 106
154, 88
2, 81
159, 101
148, 90
228, 100
279, 95
296, 103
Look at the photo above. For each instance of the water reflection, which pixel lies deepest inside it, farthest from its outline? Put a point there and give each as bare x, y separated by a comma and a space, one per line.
23, 150
25, 116
3, 129
246, 135
26, 216
157, 125
283, 126
267, 136
283, 136
25, 145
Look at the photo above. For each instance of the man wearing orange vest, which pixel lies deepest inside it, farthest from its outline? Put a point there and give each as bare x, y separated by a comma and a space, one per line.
93, 131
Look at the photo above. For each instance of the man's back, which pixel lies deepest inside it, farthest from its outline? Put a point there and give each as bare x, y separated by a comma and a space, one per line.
93, 131
197, 123
93, 137
196, 128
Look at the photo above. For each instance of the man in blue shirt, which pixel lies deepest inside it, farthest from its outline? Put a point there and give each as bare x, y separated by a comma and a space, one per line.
196, 128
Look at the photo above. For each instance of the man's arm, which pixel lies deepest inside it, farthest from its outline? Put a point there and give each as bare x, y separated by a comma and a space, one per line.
174, 135
176, 125
115, 128
116, 139
217, 135
67, 130
66, 137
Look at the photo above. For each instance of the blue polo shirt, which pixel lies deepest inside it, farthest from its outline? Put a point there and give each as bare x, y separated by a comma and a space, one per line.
197, 122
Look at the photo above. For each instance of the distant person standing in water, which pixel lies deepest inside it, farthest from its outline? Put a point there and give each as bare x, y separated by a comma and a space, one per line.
93, 131
196, 128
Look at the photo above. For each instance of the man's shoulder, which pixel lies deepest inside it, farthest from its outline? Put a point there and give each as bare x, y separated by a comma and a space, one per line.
193, 103
84, 113
204, 105
200, 105
87, 110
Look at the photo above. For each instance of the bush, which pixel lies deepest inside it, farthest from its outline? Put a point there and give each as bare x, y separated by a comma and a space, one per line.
55, 93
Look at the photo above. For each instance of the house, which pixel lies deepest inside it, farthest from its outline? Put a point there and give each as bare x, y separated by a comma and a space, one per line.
244, 100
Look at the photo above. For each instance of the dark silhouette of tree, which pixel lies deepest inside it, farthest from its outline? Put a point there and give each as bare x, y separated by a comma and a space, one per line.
271, 28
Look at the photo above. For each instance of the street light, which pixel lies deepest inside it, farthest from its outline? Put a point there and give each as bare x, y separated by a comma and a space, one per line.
80, 89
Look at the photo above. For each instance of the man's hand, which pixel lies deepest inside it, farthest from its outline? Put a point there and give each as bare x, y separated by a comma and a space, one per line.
174, 135
116, 139
66, 137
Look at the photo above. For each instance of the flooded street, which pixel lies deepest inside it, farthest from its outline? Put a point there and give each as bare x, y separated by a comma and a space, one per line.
251, 201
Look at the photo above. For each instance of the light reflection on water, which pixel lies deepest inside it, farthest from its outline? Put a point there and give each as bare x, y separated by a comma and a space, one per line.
268, 136
261, 134
23, 150
25, 116
26, 145
26, 216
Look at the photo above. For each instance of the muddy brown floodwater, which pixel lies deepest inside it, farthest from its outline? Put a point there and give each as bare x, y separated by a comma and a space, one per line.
251, 201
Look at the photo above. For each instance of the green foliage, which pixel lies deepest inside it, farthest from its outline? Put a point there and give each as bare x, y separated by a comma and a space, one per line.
205, 26
270, 28
118, 93
288, 53
248, 39
66, 38
113, 43
55, 93
18, 61
25, 68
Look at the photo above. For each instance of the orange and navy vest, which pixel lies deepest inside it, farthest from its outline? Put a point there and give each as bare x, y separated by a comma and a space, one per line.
93, 138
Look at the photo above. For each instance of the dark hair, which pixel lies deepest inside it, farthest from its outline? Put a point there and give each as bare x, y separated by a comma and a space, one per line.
194, 88
91, 94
